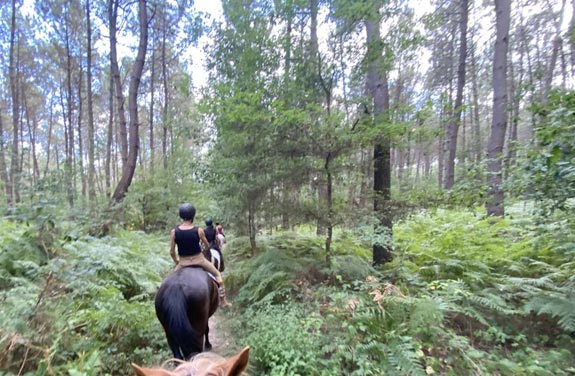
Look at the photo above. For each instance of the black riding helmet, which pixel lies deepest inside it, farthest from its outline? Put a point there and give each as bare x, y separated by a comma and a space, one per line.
187, 211
209, 221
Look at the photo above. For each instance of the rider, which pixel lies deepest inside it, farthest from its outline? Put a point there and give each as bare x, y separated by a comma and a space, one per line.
220, 236
187, 237
212, 237
210, 232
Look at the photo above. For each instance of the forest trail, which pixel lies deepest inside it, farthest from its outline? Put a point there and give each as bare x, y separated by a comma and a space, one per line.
221, 338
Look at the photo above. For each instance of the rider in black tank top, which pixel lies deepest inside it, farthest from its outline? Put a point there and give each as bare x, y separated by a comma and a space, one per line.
188, 241
187, 238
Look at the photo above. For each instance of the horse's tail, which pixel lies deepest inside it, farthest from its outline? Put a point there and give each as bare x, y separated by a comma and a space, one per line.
184, 338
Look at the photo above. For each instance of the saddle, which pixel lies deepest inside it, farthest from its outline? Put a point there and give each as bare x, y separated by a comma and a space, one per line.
199, 266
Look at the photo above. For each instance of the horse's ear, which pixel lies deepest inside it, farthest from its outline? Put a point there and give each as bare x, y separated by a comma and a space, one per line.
236, 364
141, 371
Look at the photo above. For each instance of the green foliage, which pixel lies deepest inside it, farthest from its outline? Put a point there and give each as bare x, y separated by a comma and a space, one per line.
558, 302
471, 295
287, 340
85, 311
152, 204
465, 295
548, 174
289, 260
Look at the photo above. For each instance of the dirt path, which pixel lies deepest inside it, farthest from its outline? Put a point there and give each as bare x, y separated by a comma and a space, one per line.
222, 341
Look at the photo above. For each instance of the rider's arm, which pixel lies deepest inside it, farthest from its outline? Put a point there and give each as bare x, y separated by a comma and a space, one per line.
173, 246
203, 238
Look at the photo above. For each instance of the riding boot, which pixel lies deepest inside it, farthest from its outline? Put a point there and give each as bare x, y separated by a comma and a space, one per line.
223, 301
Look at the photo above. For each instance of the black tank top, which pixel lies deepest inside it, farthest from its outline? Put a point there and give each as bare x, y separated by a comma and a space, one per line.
210, 233
188, 241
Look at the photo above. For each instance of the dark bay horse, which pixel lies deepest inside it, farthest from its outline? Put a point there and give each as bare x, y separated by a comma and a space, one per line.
184, 303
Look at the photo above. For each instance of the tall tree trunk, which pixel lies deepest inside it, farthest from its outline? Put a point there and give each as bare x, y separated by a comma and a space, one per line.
115, 69
377, 84
91, 156
32, 126
252, 229
49, 138
476, 118
35, 165
3, 171
314, 61
285, 187
440, 145
495, 194
152, 76
137, 69
109, 137
515, 91
68, 164
330, 213
166, 96
81, 138
557, 41
12, 190
367, 172
572, 37
455, 121
313, 41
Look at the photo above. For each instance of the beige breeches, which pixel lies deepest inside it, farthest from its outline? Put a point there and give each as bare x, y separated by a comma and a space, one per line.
202, 261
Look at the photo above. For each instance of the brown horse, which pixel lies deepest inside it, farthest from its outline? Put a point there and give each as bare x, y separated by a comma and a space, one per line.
187, 298
200, 365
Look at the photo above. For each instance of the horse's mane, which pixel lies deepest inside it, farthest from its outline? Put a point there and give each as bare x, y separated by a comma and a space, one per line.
203, 364
198, 365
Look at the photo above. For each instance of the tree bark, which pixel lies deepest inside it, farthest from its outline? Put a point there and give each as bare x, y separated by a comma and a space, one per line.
515, 91
572, 37
91, 156
137, 69
166, 95
440, 145
12, 190
476, 118
455, 121
34, 171
495, 194
109, 137
252, 228
557, 41
81, 138
152, 76
3, 171
115, 70
49, 138
68, 164
377, 84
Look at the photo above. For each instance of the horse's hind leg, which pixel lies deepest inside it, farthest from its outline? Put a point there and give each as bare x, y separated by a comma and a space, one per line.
207, 345
175, 348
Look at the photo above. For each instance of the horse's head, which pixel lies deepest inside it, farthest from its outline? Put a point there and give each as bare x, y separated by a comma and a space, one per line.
202, 365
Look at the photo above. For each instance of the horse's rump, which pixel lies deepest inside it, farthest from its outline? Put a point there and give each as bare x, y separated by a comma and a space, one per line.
184, 302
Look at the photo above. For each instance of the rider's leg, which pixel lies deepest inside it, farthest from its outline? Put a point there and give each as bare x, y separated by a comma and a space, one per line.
210, 268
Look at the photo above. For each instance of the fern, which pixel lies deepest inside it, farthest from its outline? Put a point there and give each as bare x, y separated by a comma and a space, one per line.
403, 357
559, 304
